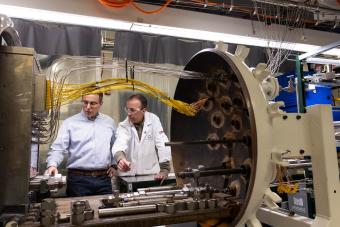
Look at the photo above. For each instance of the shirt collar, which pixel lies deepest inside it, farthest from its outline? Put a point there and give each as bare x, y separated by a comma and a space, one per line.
90, 119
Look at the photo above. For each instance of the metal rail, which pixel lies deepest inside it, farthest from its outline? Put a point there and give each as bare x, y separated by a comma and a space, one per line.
176, 143
206, 173
111, 212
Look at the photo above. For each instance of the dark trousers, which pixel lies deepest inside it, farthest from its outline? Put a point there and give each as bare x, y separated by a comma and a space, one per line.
87, 185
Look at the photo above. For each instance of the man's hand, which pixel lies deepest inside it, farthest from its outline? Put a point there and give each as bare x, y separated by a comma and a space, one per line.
124, 165
52, 170
111, 172
162, 175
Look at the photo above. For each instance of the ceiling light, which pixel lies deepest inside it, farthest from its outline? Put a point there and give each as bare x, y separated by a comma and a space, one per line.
59, 17
227, 38
323, 61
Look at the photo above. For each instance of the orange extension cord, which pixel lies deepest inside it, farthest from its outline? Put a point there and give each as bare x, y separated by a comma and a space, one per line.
124, 3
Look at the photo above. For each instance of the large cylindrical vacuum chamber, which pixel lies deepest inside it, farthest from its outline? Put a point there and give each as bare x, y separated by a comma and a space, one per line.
16, 84
228, 114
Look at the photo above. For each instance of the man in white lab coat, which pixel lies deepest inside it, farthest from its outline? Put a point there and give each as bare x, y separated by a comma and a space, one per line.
139, 148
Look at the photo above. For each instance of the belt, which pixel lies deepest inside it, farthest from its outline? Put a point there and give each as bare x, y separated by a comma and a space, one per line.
93, 173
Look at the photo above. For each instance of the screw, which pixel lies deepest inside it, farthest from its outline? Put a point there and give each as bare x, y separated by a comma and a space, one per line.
302, 151
298, 117
284, 117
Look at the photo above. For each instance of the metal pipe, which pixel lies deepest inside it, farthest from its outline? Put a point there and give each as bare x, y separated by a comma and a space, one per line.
299, 165
145, 202
159, 188
175, 143
110, 212
169, 192
319, 50
137, 198
206, 173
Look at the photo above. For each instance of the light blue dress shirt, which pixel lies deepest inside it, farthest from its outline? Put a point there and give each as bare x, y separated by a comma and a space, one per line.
86, 143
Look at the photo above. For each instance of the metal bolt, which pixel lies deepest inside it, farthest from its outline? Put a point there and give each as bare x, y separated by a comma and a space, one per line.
78, 207
88, 214
180, 205
170, 208
47, 220
78, 219
161, 207
191, 205
202, 204
212, 203
48, 204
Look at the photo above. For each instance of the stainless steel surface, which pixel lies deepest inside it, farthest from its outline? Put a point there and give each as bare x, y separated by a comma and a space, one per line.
137, 198
198, 142
110, 212
16, 85
159, 188
145, 202
168, 192
299, 165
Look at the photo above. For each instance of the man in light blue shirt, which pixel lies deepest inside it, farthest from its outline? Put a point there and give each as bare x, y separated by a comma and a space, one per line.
86, 138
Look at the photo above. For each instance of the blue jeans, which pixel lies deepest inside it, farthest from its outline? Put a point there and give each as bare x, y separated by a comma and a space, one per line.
87, 185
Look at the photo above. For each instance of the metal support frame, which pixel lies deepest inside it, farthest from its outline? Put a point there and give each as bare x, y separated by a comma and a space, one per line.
300, 91
300, 85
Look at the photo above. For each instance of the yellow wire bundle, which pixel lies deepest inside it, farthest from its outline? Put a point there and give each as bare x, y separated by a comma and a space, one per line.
285, 187
61, 94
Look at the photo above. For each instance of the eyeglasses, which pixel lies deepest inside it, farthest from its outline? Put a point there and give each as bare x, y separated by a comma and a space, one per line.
131, 110
85, 103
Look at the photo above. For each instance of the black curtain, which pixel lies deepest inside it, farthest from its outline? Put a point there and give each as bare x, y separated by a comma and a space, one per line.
156, 49
59, 39
166, 49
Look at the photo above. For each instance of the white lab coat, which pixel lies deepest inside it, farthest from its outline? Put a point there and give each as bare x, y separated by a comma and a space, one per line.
142, 154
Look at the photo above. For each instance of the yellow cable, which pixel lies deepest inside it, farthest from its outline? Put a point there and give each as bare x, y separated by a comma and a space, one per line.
58, 94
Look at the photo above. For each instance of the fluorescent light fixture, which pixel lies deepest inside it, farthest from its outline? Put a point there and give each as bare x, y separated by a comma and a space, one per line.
197, 34
67, 18
59, 17
227, 38
323, 61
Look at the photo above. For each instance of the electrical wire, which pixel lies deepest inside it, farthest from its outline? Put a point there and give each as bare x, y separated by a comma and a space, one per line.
287, 186
69, 92
124, 3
